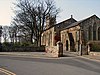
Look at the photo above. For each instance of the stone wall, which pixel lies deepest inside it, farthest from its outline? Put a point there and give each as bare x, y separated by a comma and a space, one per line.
54, 51
94, 53
47, 38
51, 51
65, 37
90, 28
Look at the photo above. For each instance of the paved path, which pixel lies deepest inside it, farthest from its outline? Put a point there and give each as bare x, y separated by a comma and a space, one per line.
25, 54
92, 57
71, 65
44, 55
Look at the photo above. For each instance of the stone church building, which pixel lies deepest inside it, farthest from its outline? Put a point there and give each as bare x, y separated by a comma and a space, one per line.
73, 34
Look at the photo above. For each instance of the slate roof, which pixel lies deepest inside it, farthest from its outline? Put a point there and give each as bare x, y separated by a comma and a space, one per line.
72, 24
78, 22
65, 22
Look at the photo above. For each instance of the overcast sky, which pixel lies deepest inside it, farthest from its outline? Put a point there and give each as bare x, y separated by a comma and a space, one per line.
80, 9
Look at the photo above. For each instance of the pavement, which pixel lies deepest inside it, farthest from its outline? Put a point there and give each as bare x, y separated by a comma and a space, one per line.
25, 54
95, 57
54, 66
44, 55
38, 62
92, 57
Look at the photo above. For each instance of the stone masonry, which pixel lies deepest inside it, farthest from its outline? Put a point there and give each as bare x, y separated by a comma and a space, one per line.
73, 34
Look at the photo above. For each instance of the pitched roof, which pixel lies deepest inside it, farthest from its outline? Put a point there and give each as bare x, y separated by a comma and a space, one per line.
72, 24
78, 22
65, 22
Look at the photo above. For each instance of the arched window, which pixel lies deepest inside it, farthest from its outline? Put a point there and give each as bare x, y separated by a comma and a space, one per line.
90, 32
94, 31
99, 33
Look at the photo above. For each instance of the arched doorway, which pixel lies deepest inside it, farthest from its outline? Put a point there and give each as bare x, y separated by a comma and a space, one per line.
66, 45
99, 33
72, 43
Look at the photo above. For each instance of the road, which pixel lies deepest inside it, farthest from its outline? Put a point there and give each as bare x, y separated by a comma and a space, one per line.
50, 66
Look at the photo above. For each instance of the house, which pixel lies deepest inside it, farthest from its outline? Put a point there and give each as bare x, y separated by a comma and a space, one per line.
73, 34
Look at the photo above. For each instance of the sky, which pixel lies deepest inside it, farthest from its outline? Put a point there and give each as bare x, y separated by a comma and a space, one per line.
80, 9
5, 12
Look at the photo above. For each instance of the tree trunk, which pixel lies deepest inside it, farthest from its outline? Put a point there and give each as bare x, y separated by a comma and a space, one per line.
39, 40
31, 38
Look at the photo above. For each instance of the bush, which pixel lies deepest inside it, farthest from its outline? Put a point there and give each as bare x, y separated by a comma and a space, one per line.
23, 47
6, 44
95, 47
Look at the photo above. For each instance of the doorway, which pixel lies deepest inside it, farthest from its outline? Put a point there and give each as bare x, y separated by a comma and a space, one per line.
66, 45
72, 44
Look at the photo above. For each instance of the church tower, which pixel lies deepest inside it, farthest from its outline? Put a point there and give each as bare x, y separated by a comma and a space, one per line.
50, 21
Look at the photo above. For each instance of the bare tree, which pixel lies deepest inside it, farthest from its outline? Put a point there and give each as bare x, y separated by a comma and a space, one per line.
31, 15
5, 33
13, 31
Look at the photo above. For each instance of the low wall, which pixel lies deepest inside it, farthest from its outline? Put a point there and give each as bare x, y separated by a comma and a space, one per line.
55, 51
52, 51
22, 49
94, 53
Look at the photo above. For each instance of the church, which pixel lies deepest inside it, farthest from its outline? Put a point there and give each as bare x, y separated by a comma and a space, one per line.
73, 34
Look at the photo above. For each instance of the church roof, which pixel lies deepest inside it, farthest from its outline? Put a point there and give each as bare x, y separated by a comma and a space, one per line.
78, 22
68, 23
64, 23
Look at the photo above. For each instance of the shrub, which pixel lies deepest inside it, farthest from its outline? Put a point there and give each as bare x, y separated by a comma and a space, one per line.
6, 44
95, 47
